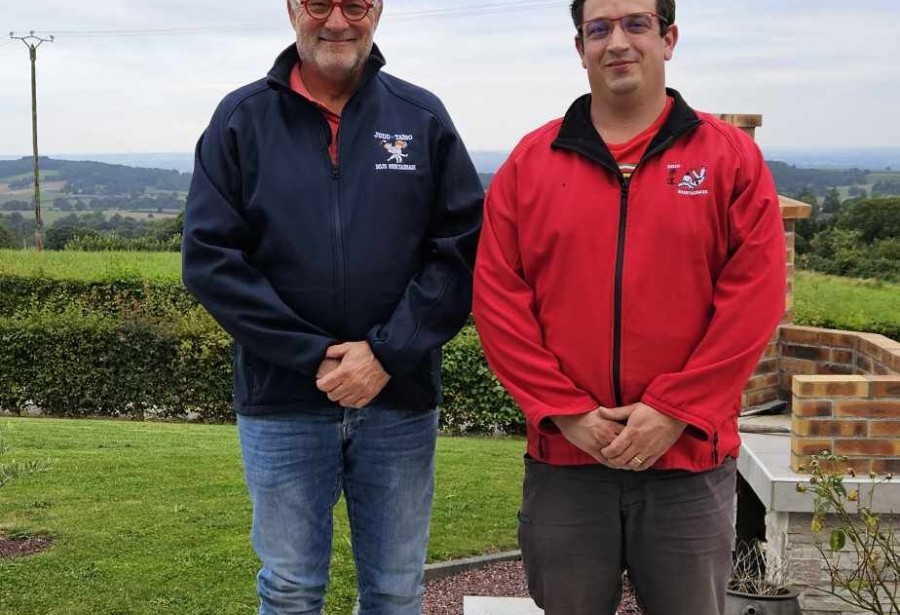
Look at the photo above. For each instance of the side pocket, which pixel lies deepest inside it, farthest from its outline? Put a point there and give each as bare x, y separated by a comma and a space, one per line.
244, 379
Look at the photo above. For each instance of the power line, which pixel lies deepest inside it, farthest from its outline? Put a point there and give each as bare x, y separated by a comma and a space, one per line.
456, 12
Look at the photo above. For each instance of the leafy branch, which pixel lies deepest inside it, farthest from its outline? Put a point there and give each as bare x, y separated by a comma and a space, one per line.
870, 581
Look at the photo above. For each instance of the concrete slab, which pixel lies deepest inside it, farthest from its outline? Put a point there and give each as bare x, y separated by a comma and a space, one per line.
485, 605
765, 463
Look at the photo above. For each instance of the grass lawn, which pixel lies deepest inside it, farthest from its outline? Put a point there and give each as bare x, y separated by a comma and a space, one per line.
92, 266
847, 303
153, 518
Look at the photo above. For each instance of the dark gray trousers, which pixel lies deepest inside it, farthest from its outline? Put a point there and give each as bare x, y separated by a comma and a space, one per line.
580, 527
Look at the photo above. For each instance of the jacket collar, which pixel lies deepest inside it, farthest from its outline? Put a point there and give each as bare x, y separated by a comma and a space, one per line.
280, 74
577, 132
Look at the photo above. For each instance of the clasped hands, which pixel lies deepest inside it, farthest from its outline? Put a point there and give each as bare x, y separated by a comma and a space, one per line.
645, 436
351, 375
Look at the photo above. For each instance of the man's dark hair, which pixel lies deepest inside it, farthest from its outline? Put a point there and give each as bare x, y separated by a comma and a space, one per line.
664, 8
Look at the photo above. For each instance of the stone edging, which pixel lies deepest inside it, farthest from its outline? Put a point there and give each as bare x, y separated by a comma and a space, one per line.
439, 570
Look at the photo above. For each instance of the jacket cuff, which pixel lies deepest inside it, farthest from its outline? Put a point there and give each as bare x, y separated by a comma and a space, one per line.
703, 428
394, 363
543, 419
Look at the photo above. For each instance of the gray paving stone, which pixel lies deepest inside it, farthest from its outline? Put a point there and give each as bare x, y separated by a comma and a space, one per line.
484, 605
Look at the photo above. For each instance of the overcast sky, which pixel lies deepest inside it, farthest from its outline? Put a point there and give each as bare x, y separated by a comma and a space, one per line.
822, 72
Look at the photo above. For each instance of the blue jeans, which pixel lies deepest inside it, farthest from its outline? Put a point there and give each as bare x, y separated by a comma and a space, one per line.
296, 468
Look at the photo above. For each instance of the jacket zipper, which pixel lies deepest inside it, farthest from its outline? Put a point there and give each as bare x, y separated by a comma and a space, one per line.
337, 231
336, 225
341, 277
715, 452
617, 308
620, 269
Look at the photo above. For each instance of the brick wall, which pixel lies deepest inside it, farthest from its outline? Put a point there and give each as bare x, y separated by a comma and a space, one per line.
766, 386
808, 351
763, 387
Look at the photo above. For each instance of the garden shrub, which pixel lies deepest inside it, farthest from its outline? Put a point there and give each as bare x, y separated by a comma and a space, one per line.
76, 363
21, 295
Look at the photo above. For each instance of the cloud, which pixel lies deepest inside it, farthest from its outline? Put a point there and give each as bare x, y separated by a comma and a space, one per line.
822, 73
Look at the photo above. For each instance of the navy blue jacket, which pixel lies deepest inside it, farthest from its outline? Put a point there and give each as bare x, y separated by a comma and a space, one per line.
292, 254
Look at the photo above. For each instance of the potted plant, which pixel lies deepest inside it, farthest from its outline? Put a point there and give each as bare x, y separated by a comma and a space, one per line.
759, 586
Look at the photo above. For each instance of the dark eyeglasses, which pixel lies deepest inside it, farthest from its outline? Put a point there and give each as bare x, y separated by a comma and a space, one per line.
353, 10
635, 24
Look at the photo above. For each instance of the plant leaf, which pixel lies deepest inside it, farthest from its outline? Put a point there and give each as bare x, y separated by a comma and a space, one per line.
838, 539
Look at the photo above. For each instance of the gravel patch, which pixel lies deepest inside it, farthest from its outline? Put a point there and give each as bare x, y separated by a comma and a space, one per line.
444, 596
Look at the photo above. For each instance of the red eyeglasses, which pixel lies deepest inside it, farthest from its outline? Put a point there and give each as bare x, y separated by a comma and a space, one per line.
353, 10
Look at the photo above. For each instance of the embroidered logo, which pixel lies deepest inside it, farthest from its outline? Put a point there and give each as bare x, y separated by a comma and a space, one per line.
672, 178
692, 181
394, 147
395, 150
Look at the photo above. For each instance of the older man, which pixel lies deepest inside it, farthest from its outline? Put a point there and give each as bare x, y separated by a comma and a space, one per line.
630, 273
330, 229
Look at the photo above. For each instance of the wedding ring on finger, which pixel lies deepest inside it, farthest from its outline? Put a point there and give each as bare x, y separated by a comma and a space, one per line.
638, 460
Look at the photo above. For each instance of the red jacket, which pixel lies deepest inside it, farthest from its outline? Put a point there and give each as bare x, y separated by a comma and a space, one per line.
590, 290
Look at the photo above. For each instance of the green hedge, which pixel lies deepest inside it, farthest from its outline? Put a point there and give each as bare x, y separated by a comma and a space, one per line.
108, 283
138, 366
474, 401
72, 364
116, 334
20, 295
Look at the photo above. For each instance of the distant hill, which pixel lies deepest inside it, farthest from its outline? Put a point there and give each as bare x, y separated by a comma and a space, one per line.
791, 179
80, 177
96, 178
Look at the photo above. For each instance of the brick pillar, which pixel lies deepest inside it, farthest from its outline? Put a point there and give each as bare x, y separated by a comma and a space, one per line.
747, 123
763, 386
791, 211
854, 416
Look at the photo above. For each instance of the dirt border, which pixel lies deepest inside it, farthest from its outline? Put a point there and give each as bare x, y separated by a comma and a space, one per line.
22, 547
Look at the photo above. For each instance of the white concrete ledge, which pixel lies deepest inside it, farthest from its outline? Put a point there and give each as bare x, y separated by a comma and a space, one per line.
765, 463
485, 605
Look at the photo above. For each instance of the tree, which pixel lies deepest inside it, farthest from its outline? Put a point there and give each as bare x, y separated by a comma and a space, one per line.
808, 196
16, 206
875, 218
889, 187
832, 202
21, 227
7, 237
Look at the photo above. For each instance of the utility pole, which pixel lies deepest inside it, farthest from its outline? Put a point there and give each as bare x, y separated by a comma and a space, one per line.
33, 41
